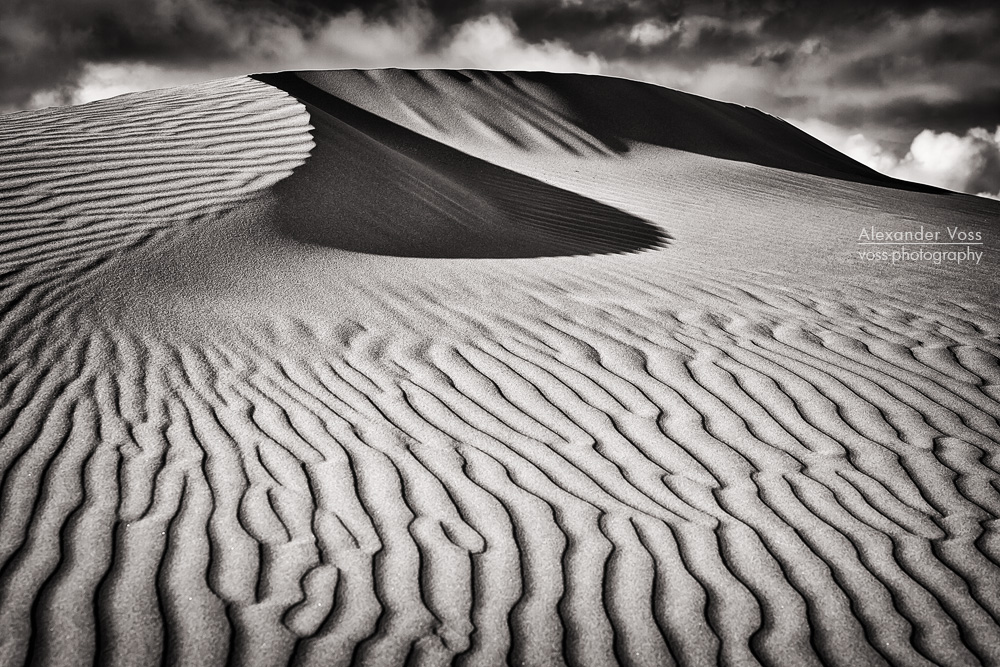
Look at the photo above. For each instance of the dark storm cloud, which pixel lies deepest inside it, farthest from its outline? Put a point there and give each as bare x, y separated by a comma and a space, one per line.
44, 43
908, 115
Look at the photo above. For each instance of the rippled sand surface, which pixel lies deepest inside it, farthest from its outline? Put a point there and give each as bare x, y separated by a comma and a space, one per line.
432, 367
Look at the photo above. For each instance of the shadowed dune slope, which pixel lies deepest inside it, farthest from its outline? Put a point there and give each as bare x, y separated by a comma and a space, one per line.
403, 194
227, 438
582, 114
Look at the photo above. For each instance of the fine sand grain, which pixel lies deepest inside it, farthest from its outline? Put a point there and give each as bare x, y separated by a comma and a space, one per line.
427, 368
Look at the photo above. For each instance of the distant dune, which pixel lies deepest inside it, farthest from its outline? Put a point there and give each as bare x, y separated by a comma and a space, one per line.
435, 367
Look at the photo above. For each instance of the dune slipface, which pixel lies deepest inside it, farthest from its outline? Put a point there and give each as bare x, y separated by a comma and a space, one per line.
431, 367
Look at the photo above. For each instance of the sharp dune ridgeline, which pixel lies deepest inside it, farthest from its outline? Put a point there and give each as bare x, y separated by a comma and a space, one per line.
476, 368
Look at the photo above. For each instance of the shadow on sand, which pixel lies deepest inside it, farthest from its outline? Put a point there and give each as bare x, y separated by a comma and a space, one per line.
620, 110
373, 186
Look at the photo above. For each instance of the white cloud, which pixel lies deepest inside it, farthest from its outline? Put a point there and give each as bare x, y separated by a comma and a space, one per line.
856, 145
492, 42
107, 80
968, 163
353, 41
689, 30
652, 32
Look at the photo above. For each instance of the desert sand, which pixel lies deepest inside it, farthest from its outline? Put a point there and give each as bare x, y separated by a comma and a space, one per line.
437, 367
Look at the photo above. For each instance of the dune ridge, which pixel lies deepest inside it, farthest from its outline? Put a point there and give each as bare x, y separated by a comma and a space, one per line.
583, 114
237, 446
433, 200
77, 183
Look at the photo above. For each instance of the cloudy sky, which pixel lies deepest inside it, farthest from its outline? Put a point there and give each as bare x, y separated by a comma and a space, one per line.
911, 88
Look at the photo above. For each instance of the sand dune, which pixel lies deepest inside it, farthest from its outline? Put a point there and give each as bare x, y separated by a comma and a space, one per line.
474, 368
404, 194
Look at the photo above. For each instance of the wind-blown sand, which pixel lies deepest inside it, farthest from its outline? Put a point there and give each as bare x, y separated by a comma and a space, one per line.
392, 367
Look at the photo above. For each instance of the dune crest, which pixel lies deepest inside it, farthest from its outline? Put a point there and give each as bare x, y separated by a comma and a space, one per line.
241, 424
589, 115
406, 195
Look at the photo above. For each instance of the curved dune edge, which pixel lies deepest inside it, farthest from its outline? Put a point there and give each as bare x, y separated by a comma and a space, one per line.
656, 458
405, 195
585, 115
88, 182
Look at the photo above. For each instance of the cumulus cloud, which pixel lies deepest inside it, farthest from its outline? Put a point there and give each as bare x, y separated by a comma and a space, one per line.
652, 32
491, 42
969, 162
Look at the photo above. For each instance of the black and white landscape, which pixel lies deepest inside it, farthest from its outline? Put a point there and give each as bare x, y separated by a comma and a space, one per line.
493, 366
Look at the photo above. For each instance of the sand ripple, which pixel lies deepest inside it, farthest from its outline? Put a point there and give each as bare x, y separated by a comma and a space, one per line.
639, 459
